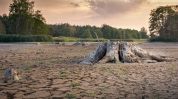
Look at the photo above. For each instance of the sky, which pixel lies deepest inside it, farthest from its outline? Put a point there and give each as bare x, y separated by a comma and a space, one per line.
132, 14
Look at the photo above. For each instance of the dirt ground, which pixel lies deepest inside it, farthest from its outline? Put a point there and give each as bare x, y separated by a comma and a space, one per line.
51, 71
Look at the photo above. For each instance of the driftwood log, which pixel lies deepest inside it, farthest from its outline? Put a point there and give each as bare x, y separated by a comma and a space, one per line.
122, 52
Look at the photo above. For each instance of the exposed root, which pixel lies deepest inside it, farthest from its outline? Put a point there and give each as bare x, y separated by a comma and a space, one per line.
122, 52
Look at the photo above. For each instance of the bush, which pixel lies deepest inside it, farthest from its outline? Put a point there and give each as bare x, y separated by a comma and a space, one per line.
65, 39
24, 38
159, 39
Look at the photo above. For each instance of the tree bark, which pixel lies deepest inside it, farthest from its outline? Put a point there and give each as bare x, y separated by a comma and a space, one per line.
111, 53
122, 52
96, 56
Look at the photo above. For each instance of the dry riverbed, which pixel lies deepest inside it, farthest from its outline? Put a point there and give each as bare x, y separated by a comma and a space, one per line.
51, 71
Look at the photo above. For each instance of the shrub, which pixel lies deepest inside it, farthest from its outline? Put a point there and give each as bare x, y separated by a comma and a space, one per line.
24, 38
159, 39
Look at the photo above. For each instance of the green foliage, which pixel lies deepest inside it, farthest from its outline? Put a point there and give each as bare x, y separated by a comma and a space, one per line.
61, 30
65, 39
24, 38
157, 39
24, 20
108, 31
158, 18
143, 33
93, 32
70, 96
2, 27
163, 24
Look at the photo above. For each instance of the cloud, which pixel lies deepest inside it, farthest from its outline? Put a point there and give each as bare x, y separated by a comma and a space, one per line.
4, 2
110, 7
58, 4
4, 6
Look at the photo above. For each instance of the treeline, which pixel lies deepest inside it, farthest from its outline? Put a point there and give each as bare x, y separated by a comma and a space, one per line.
93, 32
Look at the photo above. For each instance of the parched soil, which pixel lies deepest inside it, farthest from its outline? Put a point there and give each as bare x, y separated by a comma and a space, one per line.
51, 71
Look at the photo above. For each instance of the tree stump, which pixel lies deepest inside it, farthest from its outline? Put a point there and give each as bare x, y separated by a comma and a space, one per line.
122, 52
111, 53
96, 56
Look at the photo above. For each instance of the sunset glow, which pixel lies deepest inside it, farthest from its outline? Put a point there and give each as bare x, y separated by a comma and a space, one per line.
132, 14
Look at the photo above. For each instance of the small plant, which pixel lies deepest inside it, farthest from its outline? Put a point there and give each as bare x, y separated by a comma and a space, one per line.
74, 84
70, 96
92, 94
62, 74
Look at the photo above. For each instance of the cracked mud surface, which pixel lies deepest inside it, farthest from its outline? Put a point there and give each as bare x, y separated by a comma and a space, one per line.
51, 72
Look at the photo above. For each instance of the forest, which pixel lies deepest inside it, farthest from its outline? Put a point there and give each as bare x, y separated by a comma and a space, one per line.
94, 32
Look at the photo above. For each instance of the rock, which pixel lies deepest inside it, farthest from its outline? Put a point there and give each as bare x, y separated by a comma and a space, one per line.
77, 43
7, 74
11, 74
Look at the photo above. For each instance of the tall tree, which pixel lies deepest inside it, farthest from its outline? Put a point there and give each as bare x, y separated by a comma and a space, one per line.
39, 26
2, 26
158, 19
24, 20
143, 33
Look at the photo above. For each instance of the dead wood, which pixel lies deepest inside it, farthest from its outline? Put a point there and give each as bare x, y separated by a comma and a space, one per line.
122, 52
96, 56
111, 53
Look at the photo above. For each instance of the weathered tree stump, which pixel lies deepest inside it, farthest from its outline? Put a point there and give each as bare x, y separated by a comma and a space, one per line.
111, 53
122, 52
96, 56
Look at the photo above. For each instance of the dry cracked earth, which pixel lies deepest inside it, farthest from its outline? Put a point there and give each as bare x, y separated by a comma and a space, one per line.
51, 71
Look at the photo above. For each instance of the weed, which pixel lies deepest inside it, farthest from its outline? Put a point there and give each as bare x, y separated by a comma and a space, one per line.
70, 96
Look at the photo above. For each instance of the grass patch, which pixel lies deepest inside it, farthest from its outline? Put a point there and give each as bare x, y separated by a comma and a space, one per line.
74, 39
63, 74
74, 84
65, 39
70, 96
